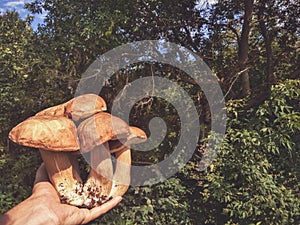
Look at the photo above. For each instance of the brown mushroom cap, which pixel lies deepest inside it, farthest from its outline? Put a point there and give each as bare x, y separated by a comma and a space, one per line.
99, 129
136, 136
77, 108
57, 110
84, 106
46, 132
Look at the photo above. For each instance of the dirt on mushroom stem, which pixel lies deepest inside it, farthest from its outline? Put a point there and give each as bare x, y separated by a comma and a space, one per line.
64, 174
99, 182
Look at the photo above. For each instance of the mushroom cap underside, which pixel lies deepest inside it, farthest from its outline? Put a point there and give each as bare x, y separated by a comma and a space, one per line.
46, 132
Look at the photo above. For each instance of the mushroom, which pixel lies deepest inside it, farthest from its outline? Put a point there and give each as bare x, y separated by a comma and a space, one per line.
56, 137
77, 108
121, 178
94, 134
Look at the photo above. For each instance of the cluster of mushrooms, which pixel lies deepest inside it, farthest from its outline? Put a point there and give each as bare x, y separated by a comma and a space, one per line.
80, 125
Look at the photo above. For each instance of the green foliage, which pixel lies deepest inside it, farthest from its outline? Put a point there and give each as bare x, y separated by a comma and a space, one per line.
164, 203
80, 31
17, 176
29, 79
15, 64
256, 176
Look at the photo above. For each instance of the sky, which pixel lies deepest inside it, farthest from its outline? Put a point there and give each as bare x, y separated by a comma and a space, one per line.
18, 5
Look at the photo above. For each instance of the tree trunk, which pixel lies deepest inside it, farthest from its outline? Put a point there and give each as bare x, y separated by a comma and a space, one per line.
243, 44
268, 39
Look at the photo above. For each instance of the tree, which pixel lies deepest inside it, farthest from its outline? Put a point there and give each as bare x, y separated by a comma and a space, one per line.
253, 32
243, 46
81, 31
16, 64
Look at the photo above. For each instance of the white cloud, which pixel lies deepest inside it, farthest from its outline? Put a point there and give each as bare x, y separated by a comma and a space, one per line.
206, 1
14, 4
203, 3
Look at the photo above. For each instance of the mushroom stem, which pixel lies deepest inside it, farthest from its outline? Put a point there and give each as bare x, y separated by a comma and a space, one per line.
63, 174
99, 182
121, 178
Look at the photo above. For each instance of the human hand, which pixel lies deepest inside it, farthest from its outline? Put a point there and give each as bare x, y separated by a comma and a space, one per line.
44, 207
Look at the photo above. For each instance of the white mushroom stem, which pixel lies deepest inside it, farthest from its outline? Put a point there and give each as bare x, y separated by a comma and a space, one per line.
121, 178
99, 182
63, 174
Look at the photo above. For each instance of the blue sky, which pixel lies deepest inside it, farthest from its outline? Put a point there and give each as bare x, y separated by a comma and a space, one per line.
18, 5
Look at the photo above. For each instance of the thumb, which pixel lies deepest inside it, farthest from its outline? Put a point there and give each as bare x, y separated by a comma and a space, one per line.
41, 174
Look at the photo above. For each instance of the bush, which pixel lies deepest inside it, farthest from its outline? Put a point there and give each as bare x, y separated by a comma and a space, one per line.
256, 176
17, 176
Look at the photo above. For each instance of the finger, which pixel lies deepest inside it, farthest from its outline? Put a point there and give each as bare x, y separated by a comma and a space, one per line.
41, 174
100, 210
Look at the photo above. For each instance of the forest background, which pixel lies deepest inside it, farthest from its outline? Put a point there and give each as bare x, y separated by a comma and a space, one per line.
252, 47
